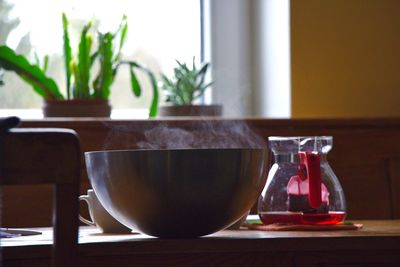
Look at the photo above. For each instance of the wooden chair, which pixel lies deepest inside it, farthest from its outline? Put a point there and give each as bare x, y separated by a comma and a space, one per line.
48, 156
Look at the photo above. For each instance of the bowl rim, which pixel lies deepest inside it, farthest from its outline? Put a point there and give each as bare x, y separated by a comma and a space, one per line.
142, 150
301, 137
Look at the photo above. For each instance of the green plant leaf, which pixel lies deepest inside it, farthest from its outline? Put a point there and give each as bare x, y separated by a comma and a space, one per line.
154, 102
201, 90
77, 79
36, 88
169, 89
183, 66
84, 61
1, 76
93, 58
67, 54
45, 63
122, 30
36, 58
107, 72
32, 74
136, 89
202, 72
194, 64
186, 85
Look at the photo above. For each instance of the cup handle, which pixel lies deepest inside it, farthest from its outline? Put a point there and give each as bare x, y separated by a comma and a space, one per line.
86, 199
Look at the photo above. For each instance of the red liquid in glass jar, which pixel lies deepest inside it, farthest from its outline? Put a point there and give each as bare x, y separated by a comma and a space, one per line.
332, 217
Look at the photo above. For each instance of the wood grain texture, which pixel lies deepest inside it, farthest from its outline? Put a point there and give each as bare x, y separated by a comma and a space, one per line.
364, 157
46, 156
394, 172
377, 244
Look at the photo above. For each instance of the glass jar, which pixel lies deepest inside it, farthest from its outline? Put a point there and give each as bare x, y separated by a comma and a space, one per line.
301, 187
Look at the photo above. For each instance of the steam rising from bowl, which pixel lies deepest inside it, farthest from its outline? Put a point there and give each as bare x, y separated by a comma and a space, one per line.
180, 182
199, 134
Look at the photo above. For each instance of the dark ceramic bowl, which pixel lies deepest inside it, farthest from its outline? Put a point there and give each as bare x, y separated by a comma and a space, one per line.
178, 193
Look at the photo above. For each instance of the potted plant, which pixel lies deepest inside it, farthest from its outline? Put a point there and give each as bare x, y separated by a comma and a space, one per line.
1, 77
187, 85
84, 98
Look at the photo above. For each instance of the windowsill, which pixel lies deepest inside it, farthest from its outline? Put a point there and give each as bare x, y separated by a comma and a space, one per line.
37, 114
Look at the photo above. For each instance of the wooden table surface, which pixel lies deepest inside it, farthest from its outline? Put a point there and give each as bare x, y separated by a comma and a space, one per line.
376, 244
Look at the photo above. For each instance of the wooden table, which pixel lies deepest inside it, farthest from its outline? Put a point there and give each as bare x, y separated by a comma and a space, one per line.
377, 244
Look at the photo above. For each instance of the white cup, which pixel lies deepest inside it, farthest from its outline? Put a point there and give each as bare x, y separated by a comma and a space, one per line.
100, 216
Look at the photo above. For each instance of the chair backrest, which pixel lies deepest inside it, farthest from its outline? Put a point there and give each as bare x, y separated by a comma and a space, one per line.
48, 156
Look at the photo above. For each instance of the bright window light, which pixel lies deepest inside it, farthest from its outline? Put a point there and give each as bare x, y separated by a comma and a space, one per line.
159, 32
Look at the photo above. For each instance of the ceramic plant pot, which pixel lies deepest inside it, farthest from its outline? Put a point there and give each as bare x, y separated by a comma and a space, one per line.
190, 110
77, 108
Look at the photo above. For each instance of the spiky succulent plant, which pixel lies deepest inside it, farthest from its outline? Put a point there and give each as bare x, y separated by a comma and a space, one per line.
186, 85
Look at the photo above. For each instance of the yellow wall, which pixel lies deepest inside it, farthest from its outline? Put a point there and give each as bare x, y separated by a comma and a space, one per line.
345, 58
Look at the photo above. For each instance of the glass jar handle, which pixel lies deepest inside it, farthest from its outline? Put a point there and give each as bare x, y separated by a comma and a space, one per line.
311, 160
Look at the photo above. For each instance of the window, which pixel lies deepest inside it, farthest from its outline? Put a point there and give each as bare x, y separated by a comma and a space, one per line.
248, 44
159, 32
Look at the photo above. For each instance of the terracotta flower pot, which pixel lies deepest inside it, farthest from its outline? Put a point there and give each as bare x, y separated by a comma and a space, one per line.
190, 110
77, 108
